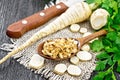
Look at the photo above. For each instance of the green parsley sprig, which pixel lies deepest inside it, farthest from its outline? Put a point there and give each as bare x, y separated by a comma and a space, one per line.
108, 59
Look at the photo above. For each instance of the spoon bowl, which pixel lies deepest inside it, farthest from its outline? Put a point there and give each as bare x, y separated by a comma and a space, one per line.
40, 48
81, 42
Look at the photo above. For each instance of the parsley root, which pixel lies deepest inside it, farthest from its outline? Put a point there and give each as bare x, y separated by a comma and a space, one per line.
98, 18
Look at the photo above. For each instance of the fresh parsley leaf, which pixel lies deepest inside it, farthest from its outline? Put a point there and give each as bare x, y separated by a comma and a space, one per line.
102, 55
109, 23
94, 1
117, 41
116, 27
99, 76
107, 77
116, 56
90, 1
110, 73
113, 4
113, 76
97, 45
111, 49
110, 5
105, 5
106, 42
105, 56
111, 36
104, 75
118, 3
101, 65
117, 19
110, 61
118, 66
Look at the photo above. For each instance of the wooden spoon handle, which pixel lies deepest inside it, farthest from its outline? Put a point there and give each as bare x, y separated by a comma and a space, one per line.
20, 27
92, 36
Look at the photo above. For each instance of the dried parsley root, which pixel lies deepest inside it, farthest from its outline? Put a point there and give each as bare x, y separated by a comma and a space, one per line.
60, 48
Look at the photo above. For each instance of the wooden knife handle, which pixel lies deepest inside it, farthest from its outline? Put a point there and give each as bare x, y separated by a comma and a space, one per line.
20, 27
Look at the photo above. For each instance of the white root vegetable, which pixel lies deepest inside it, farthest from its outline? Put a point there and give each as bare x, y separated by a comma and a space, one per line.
74, 70
76, 13
36, 61
83, 30
75, 27
74, 60
84, 55
98, 18
85, 47
60, 68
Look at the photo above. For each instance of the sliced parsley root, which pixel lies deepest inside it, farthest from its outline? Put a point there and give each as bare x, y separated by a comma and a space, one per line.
108, 47
98, 18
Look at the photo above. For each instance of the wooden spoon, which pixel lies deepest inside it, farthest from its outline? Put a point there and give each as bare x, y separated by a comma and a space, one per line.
81, 41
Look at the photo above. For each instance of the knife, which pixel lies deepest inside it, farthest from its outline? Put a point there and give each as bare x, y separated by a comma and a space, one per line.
19, 28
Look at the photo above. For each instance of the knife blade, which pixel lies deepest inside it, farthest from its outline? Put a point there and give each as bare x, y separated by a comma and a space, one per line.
19, 28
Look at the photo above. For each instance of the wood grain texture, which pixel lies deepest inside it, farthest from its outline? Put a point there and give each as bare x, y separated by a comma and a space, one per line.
11, 11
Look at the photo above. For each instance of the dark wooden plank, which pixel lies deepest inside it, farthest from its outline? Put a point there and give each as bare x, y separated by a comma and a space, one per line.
11, 11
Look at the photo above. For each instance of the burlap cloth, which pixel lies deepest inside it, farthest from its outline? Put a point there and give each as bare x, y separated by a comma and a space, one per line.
24, 56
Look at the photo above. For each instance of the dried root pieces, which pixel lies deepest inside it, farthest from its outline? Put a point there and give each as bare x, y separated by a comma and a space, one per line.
60, 48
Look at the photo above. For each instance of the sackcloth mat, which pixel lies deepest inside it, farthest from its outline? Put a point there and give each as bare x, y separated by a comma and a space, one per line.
25, 55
